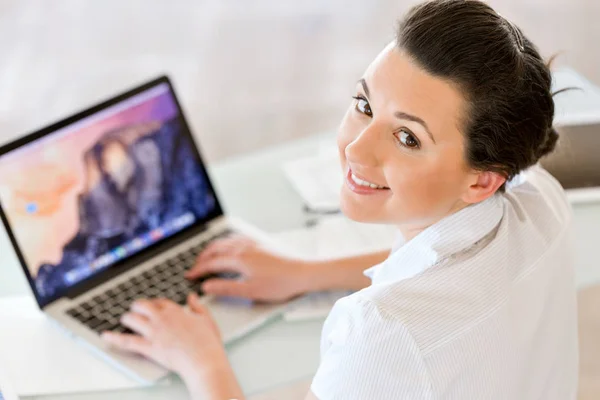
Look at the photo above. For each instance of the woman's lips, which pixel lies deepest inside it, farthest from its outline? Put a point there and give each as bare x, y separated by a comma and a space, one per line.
360, 189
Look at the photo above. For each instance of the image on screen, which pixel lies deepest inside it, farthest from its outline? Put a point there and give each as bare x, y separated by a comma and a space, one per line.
82, 198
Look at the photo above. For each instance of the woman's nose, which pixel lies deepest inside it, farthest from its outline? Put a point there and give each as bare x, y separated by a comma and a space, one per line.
365, 148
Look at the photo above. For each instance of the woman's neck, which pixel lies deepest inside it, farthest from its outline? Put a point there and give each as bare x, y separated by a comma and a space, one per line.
409, 231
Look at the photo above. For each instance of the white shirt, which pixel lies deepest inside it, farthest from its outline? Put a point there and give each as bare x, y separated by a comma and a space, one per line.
479, 306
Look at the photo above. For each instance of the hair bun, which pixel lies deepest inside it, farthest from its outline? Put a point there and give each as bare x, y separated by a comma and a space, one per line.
549, 143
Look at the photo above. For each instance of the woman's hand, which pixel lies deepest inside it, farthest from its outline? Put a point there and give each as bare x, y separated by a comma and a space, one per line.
264, 276
186, 341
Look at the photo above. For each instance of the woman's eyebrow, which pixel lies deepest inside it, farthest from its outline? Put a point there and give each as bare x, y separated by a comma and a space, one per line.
400, 114
365, 86
414, 118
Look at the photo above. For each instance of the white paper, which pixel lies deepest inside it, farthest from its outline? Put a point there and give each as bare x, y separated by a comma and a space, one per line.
338, 236
317, 180
577, 106
38, 359
333, 237
300, 243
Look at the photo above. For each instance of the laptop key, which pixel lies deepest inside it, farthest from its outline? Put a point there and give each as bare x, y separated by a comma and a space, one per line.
116, 311
172, 261
147, 275
119, 329
84, 315
180, 298
152, 292
196, 287
104, 326
177, 268
162, 267
94, 322
78, 317
123, 329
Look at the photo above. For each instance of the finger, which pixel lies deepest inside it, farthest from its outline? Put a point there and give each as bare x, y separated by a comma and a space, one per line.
164, 303
228, 287
152, 308
127, 342
218, 247
195, 305
228, 246
137, 323
225, 264
147, 308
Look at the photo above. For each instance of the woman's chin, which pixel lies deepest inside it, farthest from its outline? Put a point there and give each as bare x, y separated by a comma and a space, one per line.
358, 212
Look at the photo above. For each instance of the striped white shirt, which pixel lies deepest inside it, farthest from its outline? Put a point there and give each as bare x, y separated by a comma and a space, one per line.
479, 306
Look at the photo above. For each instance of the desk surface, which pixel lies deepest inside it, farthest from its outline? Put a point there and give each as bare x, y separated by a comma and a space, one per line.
281, 352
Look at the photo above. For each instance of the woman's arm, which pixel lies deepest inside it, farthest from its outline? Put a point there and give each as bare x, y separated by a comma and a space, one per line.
342, 273
219, 384
266, 276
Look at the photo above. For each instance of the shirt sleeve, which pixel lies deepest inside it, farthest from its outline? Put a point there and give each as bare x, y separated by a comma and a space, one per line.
368, 355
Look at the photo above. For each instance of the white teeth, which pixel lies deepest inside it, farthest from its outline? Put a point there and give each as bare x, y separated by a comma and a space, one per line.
360, 182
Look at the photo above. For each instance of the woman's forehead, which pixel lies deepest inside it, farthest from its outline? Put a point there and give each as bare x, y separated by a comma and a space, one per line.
397, 83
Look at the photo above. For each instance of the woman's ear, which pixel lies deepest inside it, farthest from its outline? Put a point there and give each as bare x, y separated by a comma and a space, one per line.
483, 186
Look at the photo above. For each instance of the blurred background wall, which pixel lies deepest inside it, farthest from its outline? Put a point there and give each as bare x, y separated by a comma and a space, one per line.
250, 73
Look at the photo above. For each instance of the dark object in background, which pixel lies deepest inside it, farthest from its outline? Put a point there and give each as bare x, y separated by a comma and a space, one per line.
575, 162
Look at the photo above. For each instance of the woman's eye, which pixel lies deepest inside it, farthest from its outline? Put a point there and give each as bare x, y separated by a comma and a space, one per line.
408, 140
362, 106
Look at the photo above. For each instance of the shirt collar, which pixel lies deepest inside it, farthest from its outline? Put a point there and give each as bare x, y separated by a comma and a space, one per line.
450, 235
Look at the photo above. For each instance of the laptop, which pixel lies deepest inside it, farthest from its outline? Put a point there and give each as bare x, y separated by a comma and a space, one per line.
575, 162
114, 204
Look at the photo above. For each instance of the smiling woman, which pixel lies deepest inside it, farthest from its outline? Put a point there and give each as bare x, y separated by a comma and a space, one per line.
386, 138
477, 301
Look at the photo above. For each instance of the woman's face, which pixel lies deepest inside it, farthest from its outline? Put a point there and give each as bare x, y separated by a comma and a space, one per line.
402, 134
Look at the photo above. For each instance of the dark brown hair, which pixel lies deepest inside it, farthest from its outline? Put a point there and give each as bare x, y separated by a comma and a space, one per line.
507, 85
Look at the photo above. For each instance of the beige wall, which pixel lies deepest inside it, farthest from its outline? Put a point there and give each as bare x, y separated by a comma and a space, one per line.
250, 72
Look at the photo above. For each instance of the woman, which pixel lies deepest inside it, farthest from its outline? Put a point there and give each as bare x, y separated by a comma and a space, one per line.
478, 302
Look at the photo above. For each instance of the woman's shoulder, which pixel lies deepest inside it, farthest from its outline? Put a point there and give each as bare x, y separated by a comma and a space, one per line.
535, 190
360, 318
373, 309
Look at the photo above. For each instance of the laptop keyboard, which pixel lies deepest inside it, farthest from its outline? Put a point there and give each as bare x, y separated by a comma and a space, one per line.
165, 280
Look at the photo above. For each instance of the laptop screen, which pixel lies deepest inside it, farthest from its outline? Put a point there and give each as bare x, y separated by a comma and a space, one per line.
96, 191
